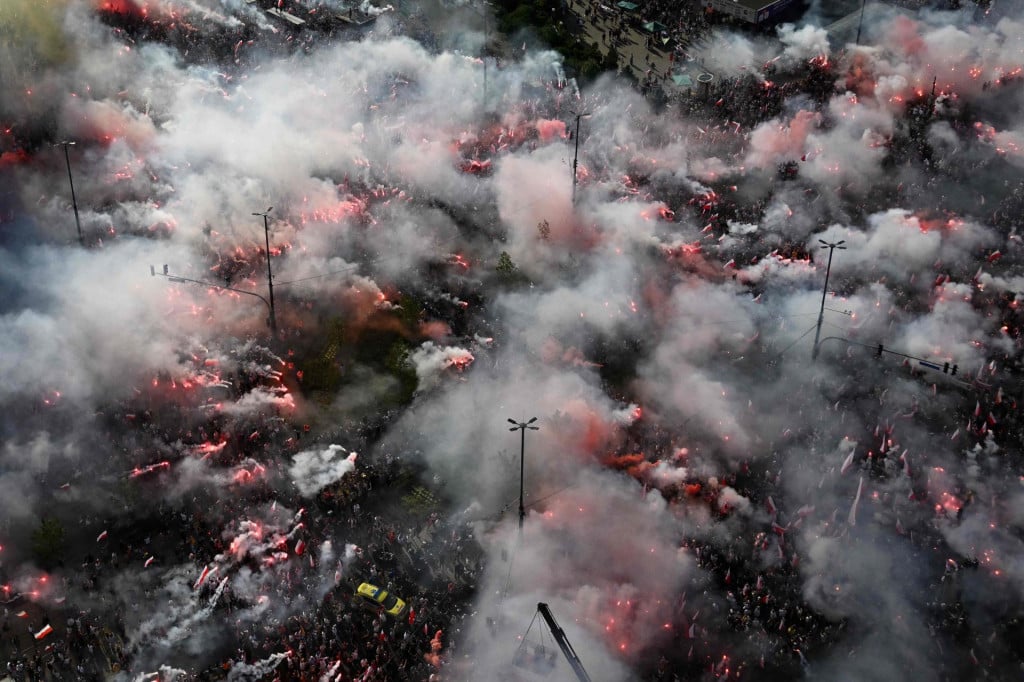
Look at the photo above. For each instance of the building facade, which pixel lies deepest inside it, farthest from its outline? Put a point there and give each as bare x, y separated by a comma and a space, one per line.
751, 11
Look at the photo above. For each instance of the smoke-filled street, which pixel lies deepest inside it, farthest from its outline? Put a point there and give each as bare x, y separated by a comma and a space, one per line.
306, 301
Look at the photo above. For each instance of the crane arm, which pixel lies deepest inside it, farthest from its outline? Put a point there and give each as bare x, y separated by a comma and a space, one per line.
563, 642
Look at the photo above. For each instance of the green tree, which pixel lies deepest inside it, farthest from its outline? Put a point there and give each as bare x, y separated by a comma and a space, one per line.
48, 541
611, 60
544, 229
401, 368
505, 265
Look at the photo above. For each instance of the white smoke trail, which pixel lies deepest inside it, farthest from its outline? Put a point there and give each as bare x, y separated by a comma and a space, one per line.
314, 470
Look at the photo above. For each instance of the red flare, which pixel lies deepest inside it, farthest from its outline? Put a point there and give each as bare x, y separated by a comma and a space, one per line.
203, 576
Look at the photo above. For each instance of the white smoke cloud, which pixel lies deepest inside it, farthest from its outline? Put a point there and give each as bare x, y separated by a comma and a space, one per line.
314, 470
431, 360
651, 336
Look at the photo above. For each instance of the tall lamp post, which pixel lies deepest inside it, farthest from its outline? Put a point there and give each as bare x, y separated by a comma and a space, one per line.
483, 52
576, 155
831, 246
270, 275
860, 23
522, 427
74, 201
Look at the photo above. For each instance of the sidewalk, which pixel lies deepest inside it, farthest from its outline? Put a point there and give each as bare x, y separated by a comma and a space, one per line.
601, 27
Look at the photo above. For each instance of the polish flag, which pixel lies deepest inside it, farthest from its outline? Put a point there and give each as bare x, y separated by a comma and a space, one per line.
22, 614
44, 632
102, 536
148, 562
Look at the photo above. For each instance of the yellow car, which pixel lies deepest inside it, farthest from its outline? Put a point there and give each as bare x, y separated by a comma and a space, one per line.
379, 597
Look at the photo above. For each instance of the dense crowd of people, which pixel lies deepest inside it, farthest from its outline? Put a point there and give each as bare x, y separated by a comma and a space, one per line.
408, 549
407, 546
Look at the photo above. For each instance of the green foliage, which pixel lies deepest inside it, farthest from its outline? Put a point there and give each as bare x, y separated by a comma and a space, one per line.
409, 311
519, 18
421, 500
505, 265
322, 372
398, 365
542, 17
611, 60
48, 541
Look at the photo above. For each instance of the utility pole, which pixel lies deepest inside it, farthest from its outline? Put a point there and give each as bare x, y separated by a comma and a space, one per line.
270, 275
860, 24
71, 181
831, 246
522, 427
487, 38
576, 155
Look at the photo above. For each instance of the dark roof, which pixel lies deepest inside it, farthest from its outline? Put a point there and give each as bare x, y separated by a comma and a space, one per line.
757, 5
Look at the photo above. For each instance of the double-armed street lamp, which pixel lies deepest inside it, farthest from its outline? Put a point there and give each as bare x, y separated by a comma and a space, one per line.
860, 22
188, 280
831, 246
269, 302
71, 181
522, 427
576, 155
270, 275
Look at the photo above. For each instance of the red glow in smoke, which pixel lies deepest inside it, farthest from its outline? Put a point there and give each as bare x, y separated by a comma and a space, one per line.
948, 503
137, 471
14, 158
476, 167
126, 8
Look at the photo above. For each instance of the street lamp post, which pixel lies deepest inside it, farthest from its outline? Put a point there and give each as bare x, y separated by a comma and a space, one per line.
74, 201
180, 279
576, 155
270, 275
522, 427
483, 52
831, 246
860, 22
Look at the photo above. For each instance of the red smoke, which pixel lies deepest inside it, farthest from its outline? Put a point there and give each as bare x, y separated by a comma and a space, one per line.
126, 8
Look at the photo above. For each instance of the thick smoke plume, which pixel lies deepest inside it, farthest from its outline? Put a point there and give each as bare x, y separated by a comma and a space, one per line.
738, 472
